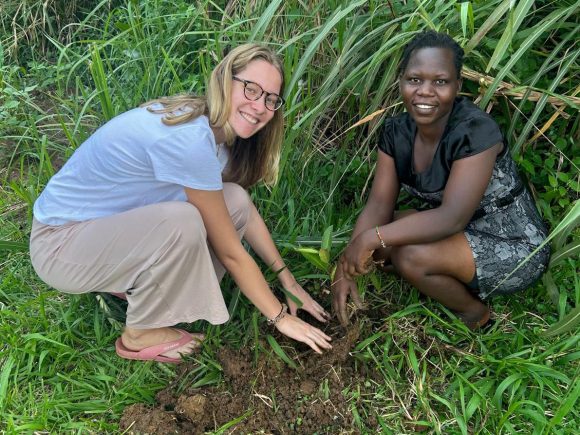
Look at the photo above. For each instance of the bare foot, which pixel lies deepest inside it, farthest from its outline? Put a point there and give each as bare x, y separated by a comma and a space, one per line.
476, 319
139, 339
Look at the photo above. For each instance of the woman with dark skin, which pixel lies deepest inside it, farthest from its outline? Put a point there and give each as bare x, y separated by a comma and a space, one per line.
445, 151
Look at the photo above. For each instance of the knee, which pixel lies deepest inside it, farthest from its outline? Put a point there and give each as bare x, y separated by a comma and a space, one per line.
238, 203
409, 260
183, 220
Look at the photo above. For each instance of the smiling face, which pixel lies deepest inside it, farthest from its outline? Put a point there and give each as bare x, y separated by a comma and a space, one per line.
248, 117
429, 86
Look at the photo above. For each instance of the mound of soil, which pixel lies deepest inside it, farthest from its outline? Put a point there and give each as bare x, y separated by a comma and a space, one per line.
266, 396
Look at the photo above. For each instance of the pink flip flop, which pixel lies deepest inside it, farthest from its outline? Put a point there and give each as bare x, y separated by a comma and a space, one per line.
153, 353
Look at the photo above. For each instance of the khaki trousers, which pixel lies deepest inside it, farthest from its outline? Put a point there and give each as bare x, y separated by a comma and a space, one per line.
157, 254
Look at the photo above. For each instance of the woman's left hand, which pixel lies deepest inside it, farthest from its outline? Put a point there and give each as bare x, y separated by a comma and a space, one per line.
357, 257
308, 304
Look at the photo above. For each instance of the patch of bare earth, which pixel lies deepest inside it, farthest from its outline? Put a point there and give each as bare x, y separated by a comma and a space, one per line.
261, 397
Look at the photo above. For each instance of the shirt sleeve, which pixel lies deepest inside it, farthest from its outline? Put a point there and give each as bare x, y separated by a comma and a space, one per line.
474, 135
387, 139
188, 157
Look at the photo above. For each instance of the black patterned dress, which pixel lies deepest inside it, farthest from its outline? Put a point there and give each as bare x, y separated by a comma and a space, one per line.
506, 228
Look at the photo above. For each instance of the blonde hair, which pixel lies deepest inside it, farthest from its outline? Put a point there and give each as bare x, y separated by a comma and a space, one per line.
253, 159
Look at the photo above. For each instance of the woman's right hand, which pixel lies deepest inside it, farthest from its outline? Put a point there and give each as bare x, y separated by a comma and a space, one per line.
341, 288
358, 255
299, 330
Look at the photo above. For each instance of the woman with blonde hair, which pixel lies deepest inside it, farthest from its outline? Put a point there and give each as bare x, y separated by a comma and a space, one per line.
154, 205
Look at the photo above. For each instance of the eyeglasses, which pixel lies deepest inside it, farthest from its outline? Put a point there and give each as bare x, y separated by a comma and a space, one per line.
253, 92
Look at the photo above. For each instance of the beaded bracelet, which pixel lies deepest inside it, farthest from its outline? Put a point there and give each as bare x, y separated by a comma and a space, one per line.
383, 244
279, 317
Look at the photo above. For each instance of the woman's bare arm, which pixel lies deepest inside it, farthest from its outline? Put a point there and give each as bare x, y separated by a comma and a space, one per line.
468, 179
224, 239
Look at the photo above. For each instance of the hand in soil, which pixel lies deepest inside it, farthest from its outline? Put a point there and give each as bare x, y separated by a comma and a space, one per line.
308, 304
299, 330
341, 288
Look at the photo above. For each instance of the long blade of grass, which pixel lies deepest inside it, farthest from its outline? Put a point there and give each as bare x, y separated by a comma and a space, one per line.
101, 83
546, 24
280, 352
6, 245
570, 250
313, 46
544, 69
539, 109
222, 429
7, 366
466, 13
514, 22
567, 405
262, 24
568, 323
491, 22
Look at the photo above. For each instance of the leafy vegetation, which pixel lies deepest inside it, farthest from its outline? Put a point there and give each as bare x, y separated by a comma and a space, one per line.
67, 67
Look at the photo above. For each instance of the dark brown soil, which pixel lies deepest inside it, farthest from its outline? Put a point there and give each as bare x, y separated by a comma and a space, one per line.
261, 397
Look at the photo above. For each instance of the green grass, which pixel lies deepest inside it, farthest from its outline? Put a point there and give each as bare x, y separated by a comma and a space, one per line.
58, 369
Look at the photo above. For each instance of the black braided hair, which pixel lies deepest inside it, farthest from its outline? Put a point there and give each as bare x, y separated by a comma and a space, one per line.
432, 39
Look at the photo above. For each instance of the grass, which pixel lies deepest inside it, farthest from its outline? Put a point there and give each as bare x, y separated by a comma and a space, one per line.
58, 370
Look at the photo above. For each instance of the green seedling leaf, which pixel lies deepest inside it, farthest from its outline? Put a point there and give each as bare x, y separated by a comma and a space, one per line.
306, 250
313, 256
327, 239
324, 255
333, 272
280, 352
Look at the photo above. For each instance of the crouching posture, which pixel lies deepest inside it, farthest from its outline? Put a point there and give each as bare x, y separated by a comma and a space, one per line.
153, 206
480, 223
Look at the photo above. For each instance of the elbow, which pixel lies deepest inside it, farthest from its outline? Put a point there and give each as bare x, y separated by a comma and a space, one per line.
228, 262
234, 259
458, 226
378, 210
455, 222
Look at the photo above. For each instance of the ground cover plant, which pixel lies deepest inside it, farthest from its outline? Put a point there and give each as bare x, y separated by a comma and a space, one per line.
406, 364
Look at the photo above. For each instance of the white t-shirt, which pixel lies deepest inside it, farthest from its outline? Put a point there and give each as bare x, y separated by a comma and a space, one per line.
132, 161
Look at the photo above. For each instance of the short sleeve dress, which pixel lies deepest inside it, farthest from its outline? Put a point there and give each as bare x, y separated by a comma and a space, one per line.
506, 228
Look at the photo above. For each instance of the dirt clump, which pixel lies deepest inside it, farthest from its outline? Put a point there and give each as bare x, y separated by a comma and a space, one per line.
192, 407
139, 418
263, 396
